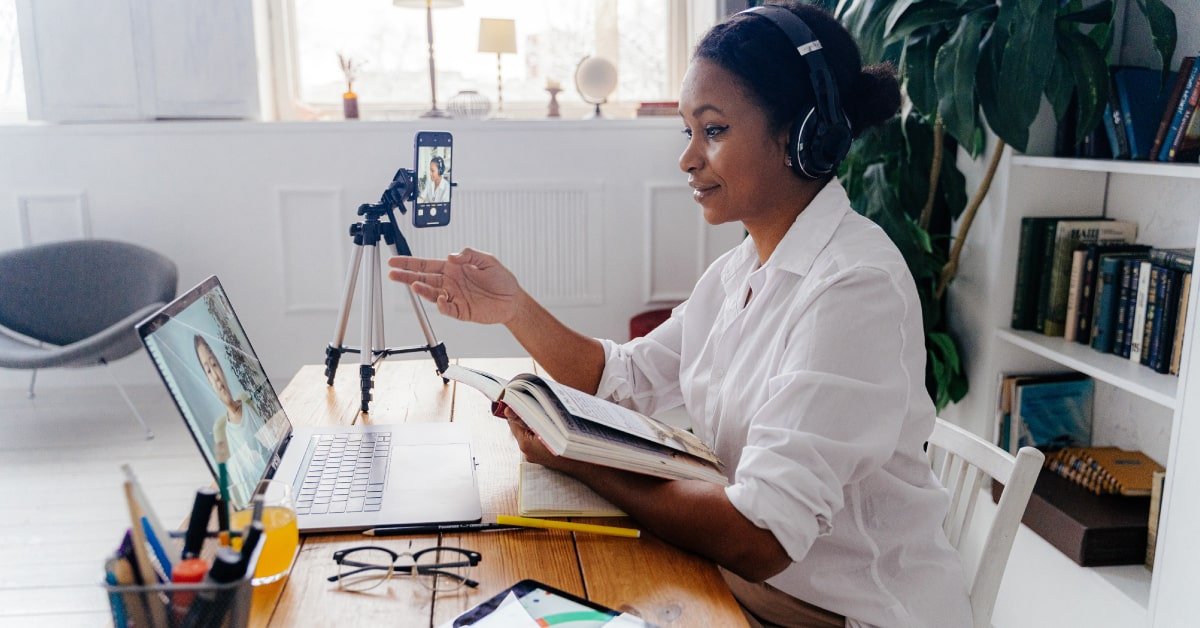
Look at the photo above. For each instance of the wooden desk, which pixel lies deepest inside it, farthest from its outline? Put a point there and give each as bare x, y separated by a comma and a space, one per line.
660, 583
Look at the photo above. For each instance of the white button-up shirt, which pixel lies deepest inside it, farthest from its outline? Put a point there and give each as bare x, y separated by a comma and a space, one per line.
813, 394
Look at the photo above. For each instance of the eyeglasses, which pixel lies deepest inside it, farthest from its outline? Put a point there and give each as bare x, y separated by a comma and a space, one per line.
437, 568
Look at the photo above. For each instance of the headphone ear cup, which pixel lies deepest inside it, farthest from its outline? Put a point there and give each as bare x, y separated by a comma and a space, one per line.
800, 147
820, 148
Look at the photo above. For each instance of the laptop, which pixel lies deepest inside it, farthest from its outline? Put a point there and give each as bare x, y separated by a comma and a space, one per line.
342, 477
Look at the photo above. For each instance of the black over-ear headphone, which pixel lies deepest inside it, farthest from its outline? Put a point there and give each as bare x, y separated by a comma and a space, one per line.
820, 136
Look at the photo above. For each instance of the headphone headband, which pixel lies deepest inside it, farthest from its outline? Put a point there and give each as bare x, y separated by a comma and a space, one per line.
817, 145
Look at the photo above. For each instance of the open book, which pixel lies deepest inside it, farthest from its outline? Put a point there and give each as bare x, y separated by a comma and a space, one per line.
581, 427
548, 493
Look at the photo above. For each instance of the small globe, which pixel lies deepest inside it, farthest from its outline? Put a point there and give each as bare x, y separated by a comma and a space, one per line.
595, 78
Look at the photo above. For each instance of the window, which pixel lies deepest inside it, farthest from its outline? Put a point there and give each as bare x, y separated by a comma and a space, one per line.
12, 80
552, 36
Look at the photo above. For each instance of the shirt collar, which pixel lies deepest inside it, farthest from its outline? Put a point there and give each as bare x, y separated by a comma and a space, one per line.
804, 240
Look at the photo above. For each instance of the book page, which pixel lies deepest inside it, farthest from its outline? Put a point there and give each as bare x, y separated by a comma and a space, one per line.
549, 493
620, 418
486, 383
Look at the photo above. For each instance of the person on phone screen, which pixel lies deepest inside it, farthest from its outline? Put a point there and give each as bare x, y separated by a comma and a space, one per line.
250, 442
799, 357
437, 188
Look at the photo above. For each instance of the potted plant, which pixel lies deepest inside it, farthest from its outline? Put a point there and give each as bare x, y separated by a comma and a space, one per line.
964, 64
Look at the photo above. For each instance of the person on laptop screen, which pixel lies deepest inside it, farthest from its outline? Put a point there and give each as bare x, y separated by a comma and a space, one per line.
250, 441
799, 355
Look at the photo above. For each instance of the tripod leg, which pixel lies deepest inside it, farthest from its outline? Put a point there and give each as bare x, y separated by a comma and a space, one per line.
366, 369
333, 353
380, 341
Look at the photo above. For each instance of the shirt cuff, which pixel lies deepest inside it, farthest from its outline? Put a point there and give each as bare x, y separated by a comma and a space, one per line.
796, 527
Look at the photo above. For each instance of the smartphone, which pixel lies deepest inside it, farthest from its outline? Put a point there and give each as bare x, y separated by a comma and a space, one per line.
545, 606
434, 172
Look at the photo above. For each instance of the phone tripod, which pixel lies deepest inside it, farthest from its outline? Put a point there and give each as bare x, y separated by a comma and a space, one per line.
366, 267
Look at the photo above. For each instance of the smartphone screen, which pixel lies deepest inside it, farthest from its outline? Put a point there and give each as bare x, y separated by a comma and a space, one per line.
434, 172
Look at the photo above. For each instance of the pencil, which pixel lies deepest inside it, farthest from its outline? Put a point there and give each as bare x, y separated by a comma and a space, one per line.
567, 525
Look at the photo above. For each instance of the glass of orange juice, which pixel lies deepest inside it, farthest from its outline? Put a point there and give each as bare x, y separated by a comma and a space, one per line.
279, 526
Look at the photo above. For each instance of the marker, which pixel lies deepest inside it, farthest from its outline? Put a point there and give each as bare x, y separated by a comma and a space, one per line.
548, 524
197, 530
434, 529
221, 453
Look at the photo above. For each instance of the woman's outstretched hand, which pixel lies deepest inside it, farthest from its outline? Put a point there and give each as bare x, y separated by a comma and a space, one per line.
468, 286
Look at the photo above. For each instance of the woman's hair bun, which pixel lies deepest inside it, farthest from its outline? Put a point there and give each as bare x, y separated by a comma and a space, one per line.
874, 97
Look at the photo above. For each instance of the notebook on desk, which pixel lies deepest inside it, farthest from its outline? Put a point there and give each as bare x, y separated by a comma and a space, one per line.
344, 477
549, 493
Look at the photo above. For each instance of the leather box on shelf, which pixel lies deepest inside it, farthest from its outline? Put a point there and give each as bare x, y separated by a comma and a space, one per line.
1093, 530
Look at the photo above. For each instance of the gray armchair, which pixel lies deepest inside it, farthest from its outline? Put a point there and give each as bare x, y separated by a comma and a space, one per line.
72, 304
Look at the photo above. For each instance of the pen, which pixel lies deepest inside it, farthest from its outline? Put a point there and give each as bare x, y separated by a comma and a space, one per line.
197, 530
430, 529
160, 552
566, 525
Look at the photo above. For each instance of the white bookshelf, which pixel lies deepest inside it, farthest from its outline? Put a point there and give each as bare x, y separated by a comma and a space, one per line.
1121, 372
1113, 166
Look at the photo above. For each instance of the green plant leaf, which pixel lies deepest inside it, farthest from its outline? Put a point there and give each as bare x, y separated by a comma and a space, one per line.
919, 79
1060, 86
1025, 65
1163, 30
954, 76
945, 345
905, 18
1096, 14
1090, 73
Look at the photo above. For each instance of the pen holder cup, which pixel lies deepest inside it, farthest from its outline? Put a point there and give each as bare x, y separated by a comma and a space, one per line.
177, 605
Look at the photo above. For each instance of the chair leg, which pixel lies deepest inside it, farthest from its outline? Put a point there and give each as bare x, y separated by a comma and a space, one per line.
32, 381
128, 401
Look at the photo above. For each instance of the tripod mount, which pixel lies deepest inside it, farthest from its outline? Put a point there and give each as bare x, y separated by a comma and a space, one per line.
378, 223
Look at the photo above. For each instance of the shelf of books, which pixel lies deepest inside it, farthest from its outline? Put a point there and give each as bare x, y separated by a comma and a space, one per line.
1106, 367
1115, 166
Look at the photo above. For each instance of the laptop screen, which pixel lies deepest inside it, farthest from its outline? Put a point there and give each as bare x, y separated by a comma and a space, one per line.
218, 383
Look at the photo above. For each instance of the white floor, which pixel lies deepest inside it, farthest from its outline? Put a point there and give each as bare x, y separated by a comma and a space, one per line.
62, 510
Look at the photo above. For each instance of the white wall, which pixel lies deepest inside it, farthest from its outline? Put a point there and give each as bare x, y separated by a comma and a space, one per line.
595, 217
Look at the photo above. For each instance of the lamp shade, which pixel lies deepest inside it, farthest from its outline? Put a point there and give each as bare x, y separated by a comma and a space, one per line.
497, 35
433, 4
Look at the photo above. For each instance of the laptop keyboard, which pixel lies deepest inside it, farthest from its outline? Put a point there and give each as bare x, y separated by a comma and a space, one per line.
345, 473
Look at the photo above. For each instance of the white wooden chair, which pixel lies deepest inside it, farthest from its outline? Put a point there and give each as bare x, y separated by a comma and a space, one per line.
965, 464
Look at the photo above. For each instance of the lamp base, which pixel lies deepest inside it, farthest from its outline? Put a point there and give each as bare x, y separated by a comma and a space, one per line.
435, 113
595, 115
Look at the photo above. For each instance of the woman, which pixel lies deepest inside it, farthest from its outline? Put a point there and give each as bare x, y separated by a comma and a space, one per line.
250, 443
437, 189
799, 357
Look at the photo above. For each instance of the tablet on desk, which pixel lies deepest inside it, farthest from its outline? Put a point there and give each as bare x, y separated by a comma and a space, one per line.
531, 603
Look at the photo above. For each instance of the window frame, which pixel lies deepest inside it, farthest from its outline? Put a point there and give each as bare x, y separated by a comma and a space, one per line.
687, 19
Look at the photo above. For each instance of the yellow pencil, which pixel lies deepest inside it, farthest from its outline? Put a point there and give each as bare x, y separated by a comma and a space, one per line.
566, 525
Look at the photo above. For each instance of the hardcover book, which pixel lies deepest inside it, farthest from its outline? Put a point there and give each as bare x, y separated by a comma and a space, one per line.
1053, 414
1168, 113
578, 426
1106, 470
1069, 236
1090, 285
1185, 105
1142, 94
1185, 290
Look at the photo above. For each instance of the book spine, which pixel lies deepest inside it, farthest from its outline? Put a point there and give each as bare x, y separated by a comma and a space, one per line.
1114, 125
1185, 290
1136, 144
1074, 294
1157, 483
1164, 332
1172, 102
1125, 278
1045, 270
1139, 313
1087, 295
1060, 278
1153, 314
1105, 318
1164, 153
1184, 123
1024, 313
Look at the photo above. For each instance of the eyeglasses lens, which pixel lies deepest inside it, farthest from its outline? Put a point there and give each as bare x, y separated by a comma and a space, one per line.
364, 569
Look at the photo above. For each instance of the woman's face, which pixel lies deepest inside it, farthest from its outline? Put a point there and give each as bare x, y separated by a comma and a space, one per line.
433, 172
216, 376
733, 158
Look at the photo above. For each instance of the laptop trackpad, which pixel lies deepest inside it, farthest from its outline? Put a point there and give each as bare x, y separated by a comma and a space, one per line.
431, 467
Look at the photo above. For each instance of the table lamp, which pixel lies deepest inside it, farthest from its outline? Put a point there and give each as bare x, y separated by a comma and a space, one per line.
429, 6
498, 36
